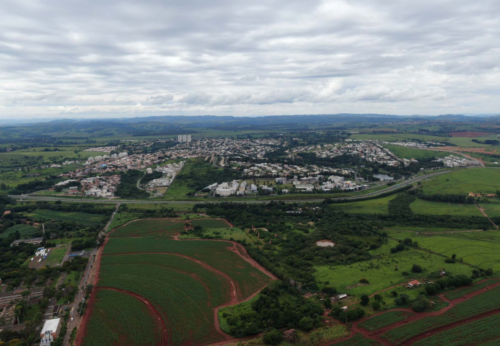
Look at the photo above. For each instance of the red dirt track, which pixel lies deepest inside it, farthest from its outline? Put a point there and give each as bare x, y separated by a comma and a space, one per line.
235, 293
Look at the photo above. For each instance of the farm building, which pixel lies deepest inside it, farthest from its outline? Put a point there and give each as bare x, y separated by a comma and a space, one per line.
339, 297
413, 283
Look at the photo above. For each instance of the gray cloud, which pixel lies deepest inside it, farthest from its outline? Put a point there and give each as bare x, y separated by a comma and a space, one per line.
129, 58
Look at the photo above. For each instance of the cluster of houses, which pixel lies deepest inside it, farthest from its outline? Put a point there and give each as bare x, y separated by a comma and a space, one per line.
366, 150
416, 145
235, 187
265, 169
457, 161
102, 149
104, 186
169, 172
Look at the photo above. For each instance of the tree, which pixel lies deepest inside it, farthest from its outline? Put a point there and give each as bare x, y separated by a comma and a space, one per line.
416, 268
431, 289
89, 288
454, 256
365, 300
378, 298
420, 305
376, 306
25, 294
274, 337
328, 304
306, 324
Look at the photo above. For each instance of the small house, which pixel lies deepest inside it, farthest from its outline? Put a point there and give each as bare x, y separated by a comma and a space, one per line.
413, 283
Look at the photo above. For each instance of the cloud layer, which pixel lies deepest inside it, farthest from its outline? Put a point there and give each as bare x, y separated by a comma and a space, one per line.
129, 58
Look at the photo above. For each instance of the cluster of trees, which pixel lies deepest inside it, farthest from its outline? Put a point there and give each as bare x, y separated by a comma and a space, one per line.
149, 177
279, 305
448, 198
35, 185
128, 185
400, 206
488, 141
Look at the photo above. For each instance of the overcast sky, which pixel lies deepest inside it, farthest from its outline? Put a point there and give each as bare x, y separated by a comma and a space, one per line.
107, 58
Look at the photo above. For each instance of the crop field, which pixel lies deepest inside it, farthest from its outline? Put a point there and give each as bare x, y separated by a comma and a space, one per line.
371, 206
24, 230
210, 223
83, 218
481, 249
491, 209
359, 340
412, 153
420, 206
384, 319
482, 303
235, 234
55, 256
381, 271
183, 281
474, 333
479, 180
118, 318
470, 289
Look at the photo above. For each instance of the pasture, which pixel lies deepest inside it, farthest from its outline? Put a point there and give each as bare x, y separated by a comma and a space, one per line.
381, 271
371, 206
478, 180
25, 231
484, 302
55, 256
481, 249
78, 217
420, 206
412, 153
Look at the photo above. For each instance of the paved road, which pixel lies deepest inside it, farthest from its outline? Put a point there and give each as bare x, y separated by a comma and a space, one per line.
398, 185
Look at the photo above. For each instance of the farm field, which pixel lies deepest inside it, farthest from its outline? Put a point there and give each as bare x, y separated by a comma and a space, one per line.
481, 249
412, 153
491, 209
420, 206
83, 218
479, 180
183, 281
426, 229
358, 340
380, 271
371, 206
482, 303
132, 322
235, 234
474, 333
24, 230
384, 319
211, 223
470, 289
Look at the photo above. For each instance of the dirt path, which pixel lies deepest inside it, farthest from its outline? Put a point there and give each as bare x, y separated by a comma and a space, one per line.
377, 334
484, 213
154, 312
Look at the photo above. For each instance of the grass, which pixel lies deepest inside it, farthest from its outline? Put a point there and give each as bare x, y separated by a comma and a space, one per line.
235, 234
384, 320
412, 153
238, 309
481, 249
210, 223
425, 229
420, 206
122, 218
381, 271
24, 231
479, 180
470, 289
73, 278
482, 303
55, 256
473, 333
371, 206
83, 218
118, 318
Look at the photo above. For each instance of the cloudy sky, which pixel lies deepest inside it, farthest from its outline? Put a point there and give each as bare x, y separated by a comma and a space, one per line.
117, 58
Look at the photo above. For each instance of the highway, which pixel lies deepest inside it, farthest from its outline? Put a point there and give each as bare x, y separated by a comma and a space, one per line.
398, 185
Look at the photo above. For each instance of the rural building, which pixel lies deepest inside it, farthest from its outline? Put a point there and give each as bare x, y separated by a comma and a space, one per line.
50, 331
339, 297
413, 283
29, 241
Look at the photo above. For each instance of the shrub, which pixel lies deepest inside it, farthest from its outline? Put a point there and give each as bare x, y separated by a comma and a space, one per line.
416, 268
376, 306
365, 300
306, 324
420, 305
274, 337
364, 281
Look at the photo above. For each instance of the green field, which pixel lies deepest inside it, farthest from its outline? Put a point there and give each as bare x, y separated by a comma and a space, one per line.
381, 271
384, 320
371, 206
420, 206
55, 256
210, 223
83, 218
478, 332
118, 318
412, 153
470, 289
478, 180
143, 258
73, 278
359, 340
235, 234
485, 302
481, 249
24, 231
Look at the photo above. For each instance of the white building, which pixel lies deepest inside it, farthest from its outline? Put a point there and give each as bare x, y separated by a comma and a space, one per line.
50, 331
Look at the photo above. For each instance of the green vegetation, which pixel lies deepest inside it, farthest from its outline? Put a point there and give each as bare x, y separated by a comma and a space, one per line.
420, 206
25, 231
118, 318
384, 320
83, 218
473, 333
481, 249
128, 185
466, 290
479, 180
359, 340
485, 302
412, 153
55, 256
372, 206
